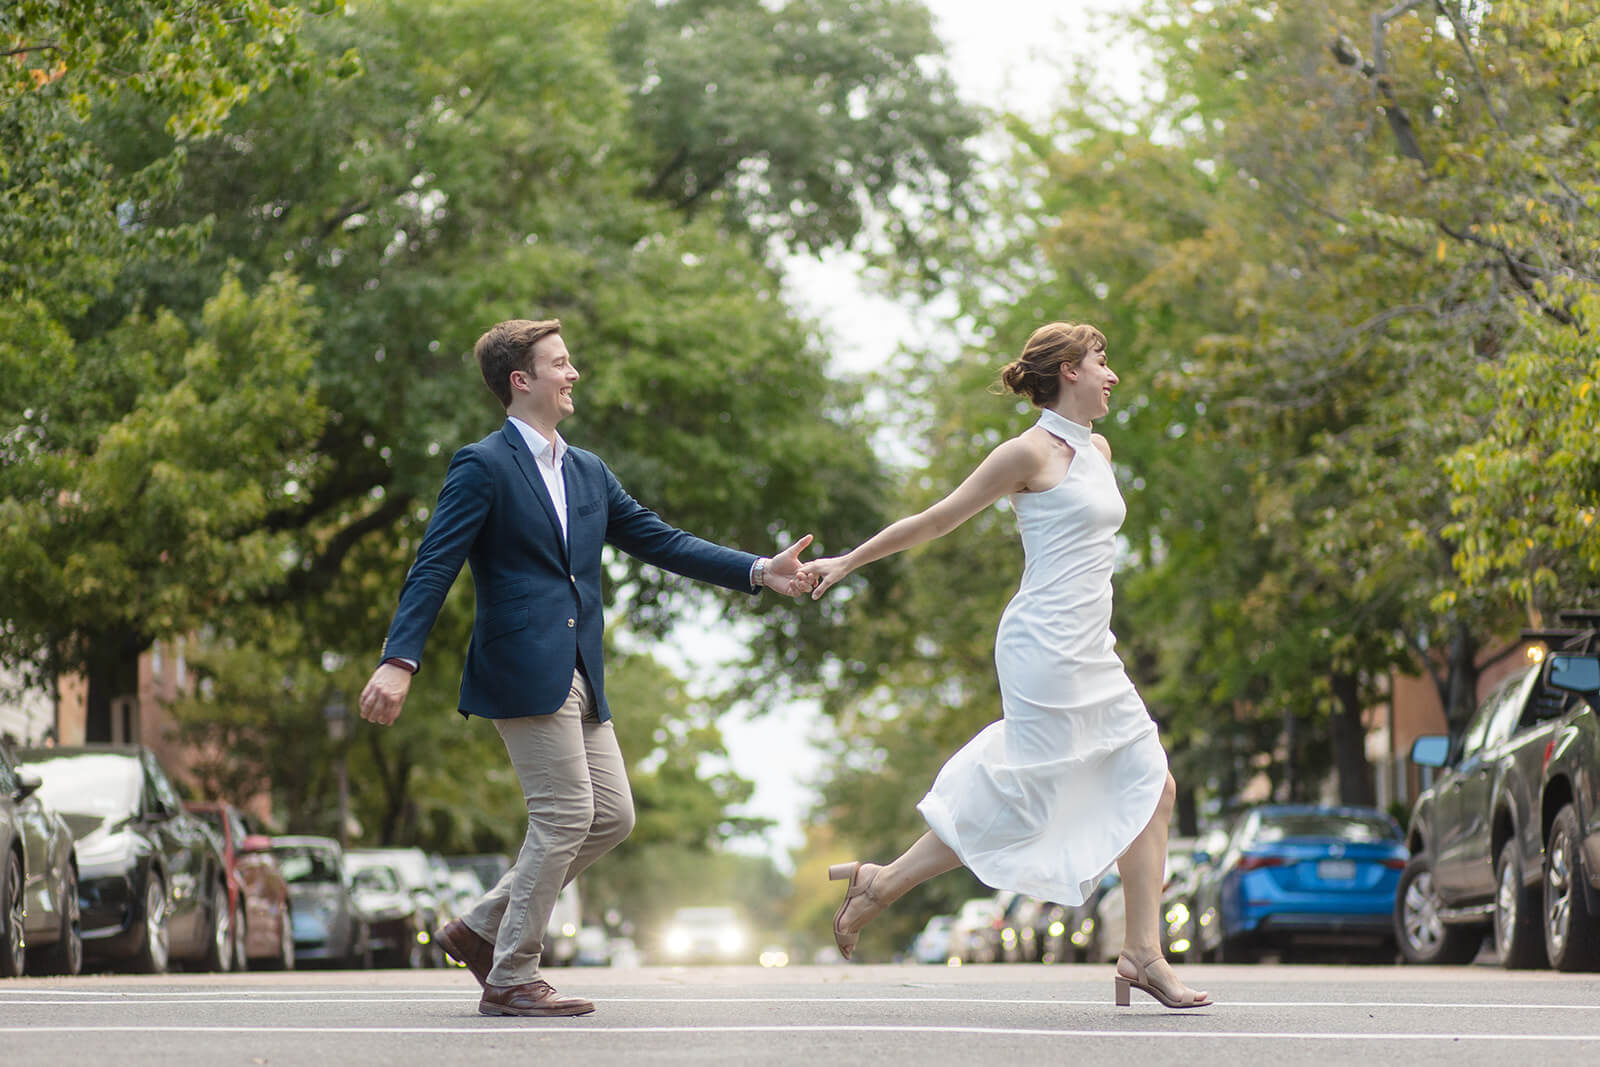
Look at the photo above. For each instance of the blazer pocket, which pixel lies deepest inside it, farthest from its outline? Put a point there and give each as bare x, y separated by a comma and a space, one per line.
504, 619
585, 510
513, 590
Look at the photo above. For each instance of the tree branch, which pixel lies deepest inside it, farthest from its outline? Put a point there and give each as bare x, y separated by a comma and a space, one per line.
48, 46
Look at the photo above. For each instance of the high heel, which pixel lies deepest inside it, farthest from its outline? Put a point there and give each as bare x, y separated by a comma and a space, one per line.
1141, 981
846, 872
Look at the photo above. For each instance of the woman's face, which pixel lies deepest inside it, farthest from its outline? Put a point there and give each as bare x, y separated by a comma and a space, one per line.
1090, 383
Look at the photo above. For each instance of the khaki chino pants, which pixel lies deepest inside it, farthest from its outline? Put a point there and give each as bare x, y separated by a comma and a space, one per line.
579, 808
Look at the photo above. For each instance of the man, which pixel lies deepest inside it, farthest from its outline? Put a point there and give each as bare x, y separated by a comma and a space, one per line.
531, 515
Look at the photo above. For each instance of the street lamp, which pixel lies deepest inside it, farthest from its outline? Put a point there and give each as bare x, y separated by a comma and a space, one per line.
338, 717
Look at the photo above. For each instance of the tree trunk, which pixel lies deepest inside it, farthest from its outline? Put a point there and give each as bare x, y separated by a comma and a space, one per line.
1462, 681
112, 672
1349, 737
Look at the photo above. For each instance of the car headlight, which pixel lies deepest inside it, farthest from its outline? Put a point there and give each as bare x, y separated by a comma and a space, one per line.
678, 942
730, 940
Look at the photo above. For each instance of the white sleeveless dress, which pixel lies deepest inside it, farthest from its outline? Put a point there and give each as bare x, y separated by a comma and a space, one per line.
1044, 800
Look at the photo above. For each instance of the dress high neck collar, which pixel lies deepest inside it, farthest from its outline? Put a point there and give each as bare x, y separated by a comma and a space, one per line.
1073, 433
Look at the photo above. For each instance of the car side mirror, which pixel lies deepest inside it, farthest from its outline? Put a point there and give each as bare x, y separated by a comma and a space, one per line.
1573, 673
255, 843
28, 784
1431, 750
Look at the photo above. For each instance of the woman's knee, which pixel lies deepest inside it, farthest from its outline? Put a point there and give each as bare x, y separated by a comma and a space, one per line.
1169, 797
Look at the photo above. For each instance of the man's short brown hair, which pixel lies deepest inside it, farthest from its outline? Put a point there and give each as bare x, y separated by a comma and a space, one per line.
508, 346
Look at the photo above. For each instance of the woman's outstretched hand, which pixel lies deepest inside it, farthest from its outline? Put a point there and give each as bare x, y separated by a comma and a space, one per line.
824, 573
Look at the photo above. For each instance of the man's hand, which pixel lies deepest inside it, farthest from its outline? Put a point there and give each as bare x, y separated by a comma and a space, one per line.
385, 694
784, 575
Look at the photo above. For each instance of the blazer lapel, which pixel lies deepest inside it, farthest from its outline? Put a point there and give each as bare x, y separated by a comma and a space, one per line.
526, 464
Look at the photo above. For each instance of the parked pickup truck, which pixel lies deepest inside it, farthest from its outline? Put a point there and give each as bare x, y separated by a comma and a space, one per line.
1507, 838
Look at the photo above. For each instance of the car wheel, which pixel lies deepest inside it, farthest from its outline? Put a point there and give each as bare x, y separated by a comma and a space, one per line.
241, 940
1425, 937
154, 951
12, 915
219, 951
284, 960
66, 955
1570, 936
1517, 911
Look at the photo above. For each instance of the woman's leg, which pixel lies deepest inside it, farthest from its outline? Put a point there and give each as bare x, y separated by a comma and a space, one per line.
1144, 870
928, 856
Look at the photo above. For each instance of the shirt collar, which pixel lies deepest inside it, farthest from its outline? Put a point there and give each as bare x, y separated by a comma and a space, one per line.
541, 446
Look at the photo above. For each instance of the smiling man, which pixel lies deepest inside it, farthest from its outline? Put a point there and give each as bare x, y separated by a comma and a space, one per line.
531, 515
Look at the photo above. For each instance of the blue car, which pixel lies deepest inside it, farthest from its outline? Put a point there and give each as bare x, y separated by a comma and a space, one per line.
1294, 877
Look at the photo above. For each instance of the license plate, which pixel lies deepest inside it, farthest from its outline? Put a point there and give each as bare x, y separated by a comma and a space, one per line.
1336, 870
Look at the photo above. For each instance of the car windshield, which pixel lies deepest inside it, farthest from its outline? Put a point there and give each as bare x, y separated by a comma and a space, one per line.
1354, 828
380, 879
99, 784
305, 863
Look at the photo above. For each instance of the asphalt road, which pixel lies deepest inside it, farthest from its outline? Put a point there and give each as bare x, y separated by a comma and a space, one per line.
822, 1015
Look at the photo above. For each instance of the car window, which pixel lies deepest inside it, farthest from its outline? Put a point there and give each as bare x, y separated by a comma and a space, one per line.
1478, 728
1508, 712
1352, 828
160, 786
90, 783
8, 781
300, 864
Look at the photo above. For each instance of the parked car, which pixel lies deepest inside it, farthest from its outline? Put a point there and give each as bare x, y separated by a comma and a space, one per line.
1070, 933
1018, 933
561, 932
1571, 804
152, 887
594, 947
396, 934
704, 935
1300, 875
328, 927
969, 934
258, 895
39, 930
1180, 916
1476, 836
932, 943
416, 874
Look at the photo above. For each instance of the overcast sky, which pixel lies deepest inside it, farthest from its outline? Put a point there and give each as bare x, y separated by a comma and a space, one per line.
1007, 55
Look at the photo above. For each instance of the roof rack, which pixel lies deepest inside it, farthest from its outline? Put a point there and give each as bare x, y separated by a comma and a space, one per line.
1580, 616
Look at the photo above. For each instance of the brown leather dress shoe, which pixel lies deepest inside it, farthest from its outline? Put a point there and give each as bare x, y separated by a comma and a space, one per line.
466, 947
537, 998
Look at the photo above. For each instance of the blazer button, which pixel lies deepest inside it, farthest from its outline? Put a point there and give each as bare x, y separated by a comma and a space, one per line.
571, 623
573, 578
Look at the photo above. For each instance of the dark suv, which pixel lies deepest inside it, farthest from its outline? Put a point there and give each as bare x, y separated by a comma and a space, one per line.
1504, 836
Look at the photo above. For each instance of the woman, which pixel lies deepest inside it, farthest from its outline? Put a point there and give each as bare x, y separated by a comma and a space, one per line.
1073, 778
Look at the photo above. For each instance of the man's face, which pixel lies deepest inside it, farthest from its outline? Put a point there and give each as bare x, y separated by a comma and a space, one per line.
550, 386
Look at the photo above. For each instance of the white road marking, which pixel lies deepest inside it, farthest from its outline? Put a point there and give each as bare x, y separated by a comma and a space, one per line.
546, 1029
433, 996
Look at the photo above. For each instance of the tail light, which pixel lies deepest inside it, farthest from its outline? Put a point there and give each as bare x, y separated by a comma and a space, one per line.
1395, 864
1252, 863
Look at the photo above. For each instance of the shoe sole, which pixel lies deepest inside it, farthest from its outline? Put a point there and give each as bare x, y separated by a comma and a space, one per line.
535, 1013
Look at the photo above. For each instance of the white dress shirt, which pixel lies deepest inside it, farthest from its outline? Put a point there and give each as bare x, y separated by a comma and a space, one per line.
547, 456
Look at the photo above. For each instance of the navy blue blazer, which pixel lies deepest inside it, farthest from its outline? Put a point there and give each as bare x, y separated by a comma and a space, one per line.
539, 600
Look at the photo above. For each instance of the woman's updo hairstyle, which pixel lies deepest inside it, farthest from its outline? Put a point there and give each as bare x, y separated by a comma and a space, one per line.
1036, 374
